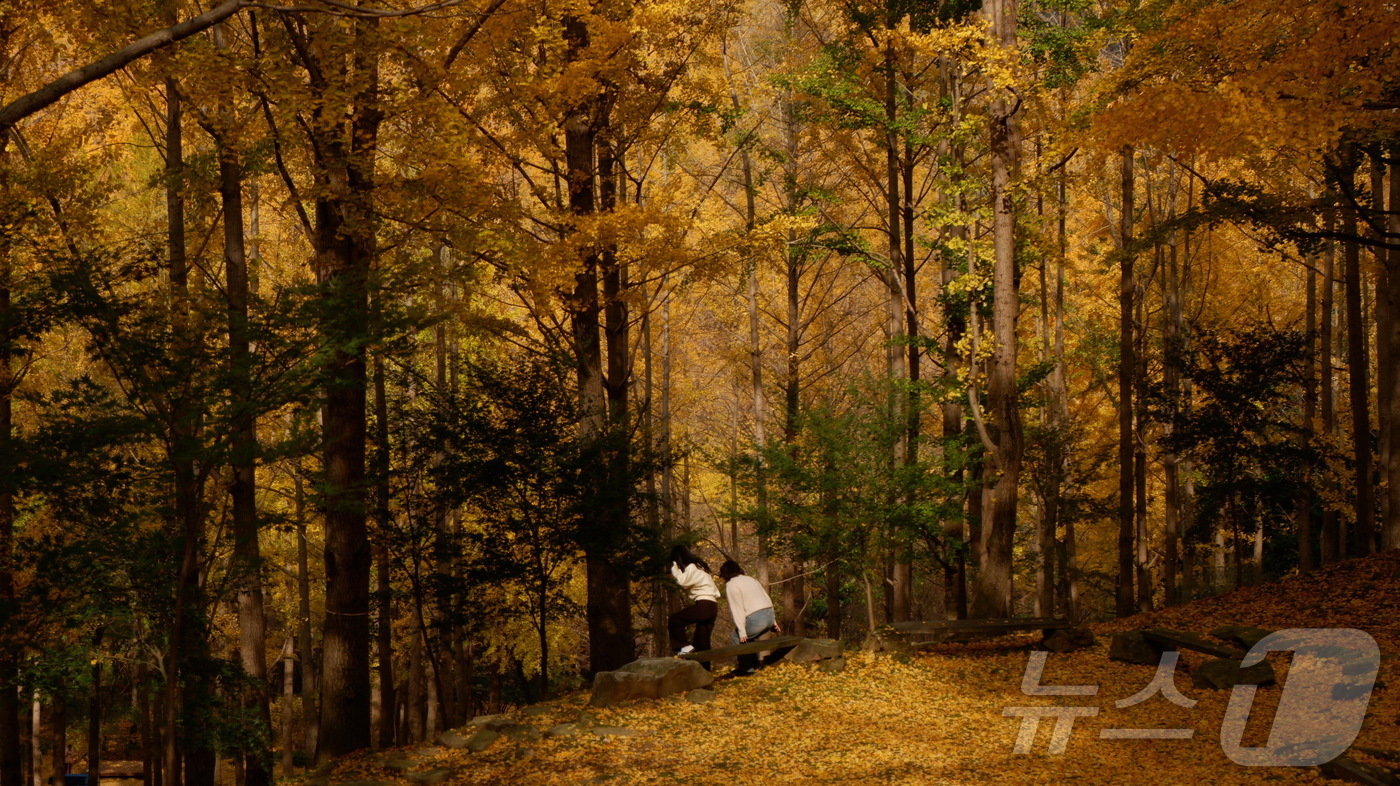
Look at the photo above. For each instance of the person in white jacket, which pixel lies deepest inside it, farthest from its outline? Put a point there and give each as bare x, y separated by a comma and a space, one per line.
693, 575
751, 609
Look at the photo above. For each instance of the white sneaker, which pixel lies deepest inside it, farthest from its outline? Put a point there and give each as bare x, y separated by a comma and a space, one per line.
686, 650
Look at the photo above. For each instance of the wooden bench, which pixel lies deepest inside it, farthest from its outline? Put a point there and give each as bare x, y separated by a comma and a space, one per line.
780, 645
940, 631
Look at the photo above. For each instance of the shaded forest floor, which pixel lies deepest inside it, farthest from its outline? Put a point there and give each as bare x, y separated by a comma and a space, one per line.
937, 717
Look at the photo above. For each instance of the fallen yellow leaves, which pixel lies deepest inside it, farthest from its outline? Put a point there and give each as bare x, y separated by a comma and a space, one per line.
938, 717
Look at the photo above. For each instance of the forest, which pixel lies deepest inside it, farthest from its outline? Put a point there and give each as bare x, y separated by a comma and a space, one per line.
361, 361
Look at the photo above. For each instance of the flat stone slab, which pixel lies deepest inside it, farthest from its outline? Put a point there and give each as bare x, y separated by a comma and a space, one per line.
1223, 674
1242, 635
452, 739
1175, 639
482, 740
492, 722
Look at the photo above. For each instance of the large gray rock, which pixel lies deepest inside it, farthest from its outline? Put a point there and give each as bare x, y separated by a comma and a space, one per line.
521, 732
1223, 674
813, 650
1133, 647
452, 739
482, 740
492, 722
648, 678
562, 730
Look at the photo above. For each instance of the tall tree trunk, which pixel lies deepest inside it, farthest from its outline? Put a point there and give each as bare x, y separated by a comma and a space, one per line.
147, 723
1388, 290
659, 593
757, 398
1303, 517
1331, 520
58, 740
898, 308
1363, 535
384, 591
1126, 602
10, 748
289, 667
243, 450
993, 597
345, 248
794, 262
1059, 409
958, 529
187, 694
608, 607
1171, 380
94, 735
1143, 581
305, 650
1050, 498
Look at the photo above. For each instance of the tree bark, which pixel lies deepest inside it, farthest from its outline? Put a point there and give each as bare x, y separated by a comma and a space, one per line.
243, 449
993, 596
1363, 534
384, 591
1303, 518
94, 735
1388, 290
1331, 520
1126, 602
1171, 379
900, 311
305, 651
58, 740
187, 691
10, 748
345, 249
608, 608
28, 104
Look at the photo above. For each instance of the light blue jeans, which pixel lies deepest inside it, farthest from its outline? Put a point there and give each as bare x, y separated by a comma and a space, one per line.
756, 623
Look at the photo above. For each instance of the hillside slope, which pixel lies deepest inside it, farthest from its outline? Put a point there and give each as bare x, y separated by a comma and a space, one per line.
939, 717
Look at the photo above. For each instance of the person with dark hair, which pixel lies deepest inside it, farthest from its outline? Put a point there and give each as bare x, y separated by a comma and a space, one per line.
693, 575
751, 609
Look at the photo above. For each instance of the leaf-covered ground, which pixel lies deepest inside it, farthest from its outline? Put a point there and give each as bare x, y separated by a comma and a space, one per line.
938, 717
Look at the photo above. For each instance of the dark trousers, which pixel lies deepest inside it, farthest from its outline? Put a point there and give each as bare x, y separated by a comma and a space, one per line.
750, 663
702, 613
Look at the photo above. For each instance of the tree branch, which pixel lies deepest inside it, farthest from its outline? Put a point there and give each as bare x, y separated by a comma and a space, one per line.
26, 105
